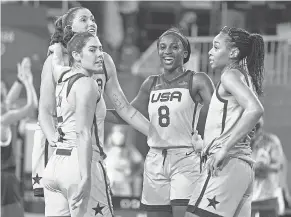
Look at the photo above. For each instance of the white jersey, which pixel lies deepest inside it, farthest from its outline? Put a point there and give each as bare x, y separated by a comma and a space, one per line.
172, 111
223, 114
66, 125
100, 114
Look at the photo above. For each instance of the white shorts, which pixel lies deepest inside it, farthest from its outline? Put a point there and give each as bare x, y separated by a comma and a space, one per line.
169, 177
228, 194
61, 178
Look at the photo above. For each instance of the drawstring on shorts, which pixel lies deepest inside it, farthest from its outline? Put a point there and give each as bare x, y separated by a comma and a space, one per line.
164, 153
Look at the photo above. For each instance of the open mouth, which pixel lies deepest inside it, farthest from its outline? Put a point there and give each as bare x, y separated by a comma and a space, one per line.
168, 60
92, 31
99, 62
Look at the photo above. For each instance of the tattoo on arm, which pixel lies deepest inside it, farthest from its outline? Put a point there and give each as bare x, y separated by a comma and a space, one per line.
117, 102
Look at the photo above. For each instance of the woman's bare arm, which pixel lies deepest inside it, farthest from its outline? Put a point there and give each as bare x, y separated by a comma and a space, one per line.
120, 103
87, 94
140, 102
12, 116
253, 109
47, 102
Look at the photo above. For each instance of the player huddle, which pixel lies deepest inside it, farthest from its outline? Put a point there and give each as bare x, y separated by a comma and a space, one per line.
181, 176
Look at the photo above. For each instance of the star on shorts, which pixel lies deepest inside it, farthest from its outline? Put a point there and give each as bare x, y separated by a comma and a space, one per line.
98, 209
213, 202
36, 179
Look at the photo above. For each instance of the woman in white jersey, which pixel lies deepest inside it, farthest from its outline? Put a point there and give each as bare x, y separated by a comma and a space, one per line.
225, 185
77, 19
75, 181
11, 201
81, 20
172, 101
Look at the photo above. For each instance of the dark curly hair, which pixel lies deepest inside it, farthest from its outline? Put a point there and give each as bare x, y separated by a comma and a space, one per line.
63, 27
251, 52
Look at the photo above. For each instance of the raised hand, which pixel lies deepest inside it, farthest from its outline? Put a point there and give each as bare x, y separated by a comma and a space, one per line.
56, 47
24, 70
58, 59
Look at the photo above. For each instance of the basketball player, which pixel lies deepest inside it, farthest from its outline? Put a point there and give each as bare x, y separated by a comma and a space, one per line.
225, 186
75, 182
11, 201
172, 101
79, 20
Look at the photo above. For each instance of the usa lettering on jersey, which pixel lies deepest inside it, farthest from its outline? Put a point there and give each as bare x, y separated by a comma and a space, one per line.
166, 96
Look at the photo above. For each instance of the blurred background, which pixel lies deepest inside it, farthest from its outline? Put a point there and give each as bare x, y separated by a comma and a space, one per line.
128, 31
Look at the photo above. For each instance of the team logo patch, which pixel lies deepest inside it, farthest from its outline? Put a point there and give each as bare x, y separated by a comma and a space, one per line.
182, 83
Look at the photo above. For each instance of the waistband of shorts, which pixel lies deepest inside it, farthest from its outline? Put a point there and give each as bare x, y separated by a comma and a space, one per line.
8, 169
170, 149
247, 159
68, 152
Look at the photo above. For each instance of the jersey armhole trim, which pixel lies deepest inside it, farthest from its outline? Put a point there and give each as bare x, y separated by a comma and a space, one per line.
153, 83
60, 80
72, 80
191, 85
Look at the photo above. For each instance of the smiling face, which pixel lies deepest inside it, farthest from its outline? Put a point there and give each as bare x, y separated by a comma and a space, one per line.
220, 53
171, 52
83, 21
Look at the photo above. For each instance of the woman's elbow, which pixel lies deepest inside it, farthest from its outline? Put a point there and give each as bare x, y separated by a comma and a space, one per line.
258, 111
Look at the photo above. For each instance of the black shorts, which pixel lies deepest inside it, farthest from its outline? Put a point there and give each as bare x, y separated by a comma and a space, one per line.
10, 188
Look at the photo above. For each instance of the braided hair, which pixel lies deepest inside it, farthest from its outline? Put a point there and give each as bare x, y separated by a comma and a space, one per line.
251, 53
63, 27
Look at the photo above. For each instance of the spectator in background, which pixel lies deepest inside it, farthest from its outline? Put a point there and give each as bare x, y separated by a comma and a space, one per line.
270, 161
11, 202
3, 90
124, 164
284, 183
188, 24
129, 52
128, 11
113, 31
16, 88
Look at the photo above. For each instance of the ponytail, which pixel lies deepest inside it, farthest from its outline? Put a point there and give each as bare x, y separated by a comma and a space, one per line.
252, 53
255, 61
68, 34
57, 36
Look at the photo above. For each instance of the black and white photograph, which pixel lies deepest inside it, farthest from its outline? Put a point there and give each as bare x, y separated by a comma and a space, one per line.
145, 108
